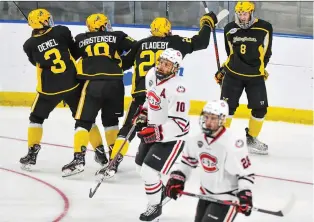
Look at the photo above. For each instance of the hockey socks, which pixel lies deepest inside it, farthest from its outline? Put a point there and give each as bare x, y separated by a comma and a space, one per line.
111, 134
117, 146
81, 139
35, 133
95, 137
255, 126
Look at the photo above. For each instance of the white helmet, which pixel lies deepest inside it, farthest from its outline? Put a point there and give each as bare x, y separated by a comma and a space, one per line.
219, 108
173, 56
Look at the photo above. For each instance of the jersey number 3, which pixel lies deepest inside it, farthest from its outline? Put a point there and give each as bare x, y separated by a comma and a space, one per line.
57, 61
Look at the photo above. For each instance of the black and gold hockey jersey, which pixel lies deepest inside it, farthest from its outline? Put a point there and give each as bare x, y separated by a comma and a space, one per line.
100, 54
248, 50
146, 52
50, 52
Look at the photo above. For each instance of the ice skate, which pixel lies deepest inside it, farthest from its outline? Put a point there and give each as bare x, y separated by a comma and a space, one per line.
76, 165
254, 145
30, 159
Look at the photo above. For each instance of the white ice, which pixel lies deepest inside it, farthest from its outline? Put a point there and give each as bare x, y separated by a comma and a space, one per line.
123, 199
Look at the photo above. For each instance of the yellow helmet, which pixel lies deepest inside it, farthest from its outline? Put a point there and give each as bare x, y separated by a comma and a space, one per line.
160, 27
40, 18
244, 7
95, 21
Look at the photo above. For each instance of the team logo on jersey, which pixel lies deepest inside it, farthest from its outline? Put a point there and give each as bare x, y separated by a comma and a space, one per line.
180, 89
234, 30
239, 143
153, 101
209, 162
200, 144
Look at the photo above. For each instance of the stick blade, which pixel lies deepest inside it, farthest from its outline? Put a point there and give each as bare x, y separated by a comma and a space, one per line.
222, 14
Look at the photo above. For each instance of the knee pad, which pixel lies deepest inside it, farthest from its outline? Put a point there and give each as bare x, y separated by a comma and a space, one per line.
149, 175
232, 111
109, 121
83, 124
36, 119
259, 113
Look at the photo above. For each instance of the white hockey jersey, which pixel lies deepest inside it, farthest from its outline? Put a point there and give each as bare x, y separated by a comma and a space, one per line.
167, 105
224, 164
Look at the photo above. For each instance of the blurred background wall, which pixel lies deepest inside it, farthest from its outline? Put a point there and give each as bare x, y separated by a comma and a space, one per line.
286, 17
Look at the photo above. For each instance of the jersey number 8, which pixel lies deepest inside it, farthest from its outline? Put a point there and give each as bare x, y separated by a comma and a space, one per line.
57, 61
243, 49
152, 58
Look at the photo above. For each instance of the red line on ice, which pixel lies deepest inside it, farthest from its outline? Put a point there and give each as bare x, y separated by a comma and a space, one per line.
69, 147
63, 196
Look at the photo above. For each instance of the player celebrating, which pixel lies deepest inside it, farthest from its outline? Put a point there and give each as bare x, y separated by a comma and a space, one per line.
248, 43
101, 67
49, 50
144, 55
225, 167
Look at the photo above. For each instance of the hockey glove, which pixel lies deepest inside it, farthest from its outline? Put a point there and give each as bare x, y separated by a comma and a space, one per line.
219, 75
266, 74
245, 199
175, 184
140, 118
151, 134
208, 19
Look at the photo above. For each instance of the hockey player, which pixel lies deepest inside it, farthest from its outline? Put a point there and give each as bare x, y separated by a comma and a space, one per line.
50, 49
224, 164
101, 67
144, 55
248, 43
162, 122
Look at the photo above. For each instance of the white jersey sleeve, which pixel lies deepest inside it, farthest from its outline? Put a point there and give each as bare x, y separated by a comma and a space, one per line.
238, 163
189, 159
177, 124
150, 81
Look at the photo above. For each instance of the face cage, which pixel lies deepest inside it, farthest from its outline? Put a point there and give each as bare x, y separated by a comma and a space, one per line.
244, 25
108, 26
209, 132
162, 76
50, 21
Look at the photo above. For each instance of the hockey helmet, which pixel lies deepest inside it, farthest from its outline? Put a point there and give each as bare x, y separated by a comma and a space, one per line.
40, 18
244, 7
216, 107
160, 27
95, 22
172, 56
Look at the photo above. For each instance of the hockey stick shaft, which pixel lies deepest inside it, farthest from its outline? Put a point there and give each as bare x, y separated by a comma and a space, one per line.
167, 9
215, 39
20, 10
115, 159
279, 213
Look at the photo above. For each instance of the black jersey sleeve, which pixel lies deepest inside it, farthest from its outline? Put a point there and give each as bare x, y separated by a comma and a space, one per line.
269, 41
28, 52
129, 58
197, 42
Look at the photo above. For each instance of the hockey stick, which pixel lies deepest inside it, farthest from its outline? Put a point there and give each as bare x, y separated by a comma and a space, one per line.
167, 9
220, 16
280, 213
92, 191
20, 10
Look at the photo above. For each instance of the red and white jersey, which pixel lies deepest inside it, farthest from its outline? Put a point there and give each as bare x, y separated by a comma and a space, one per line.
224, 163
167, 105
